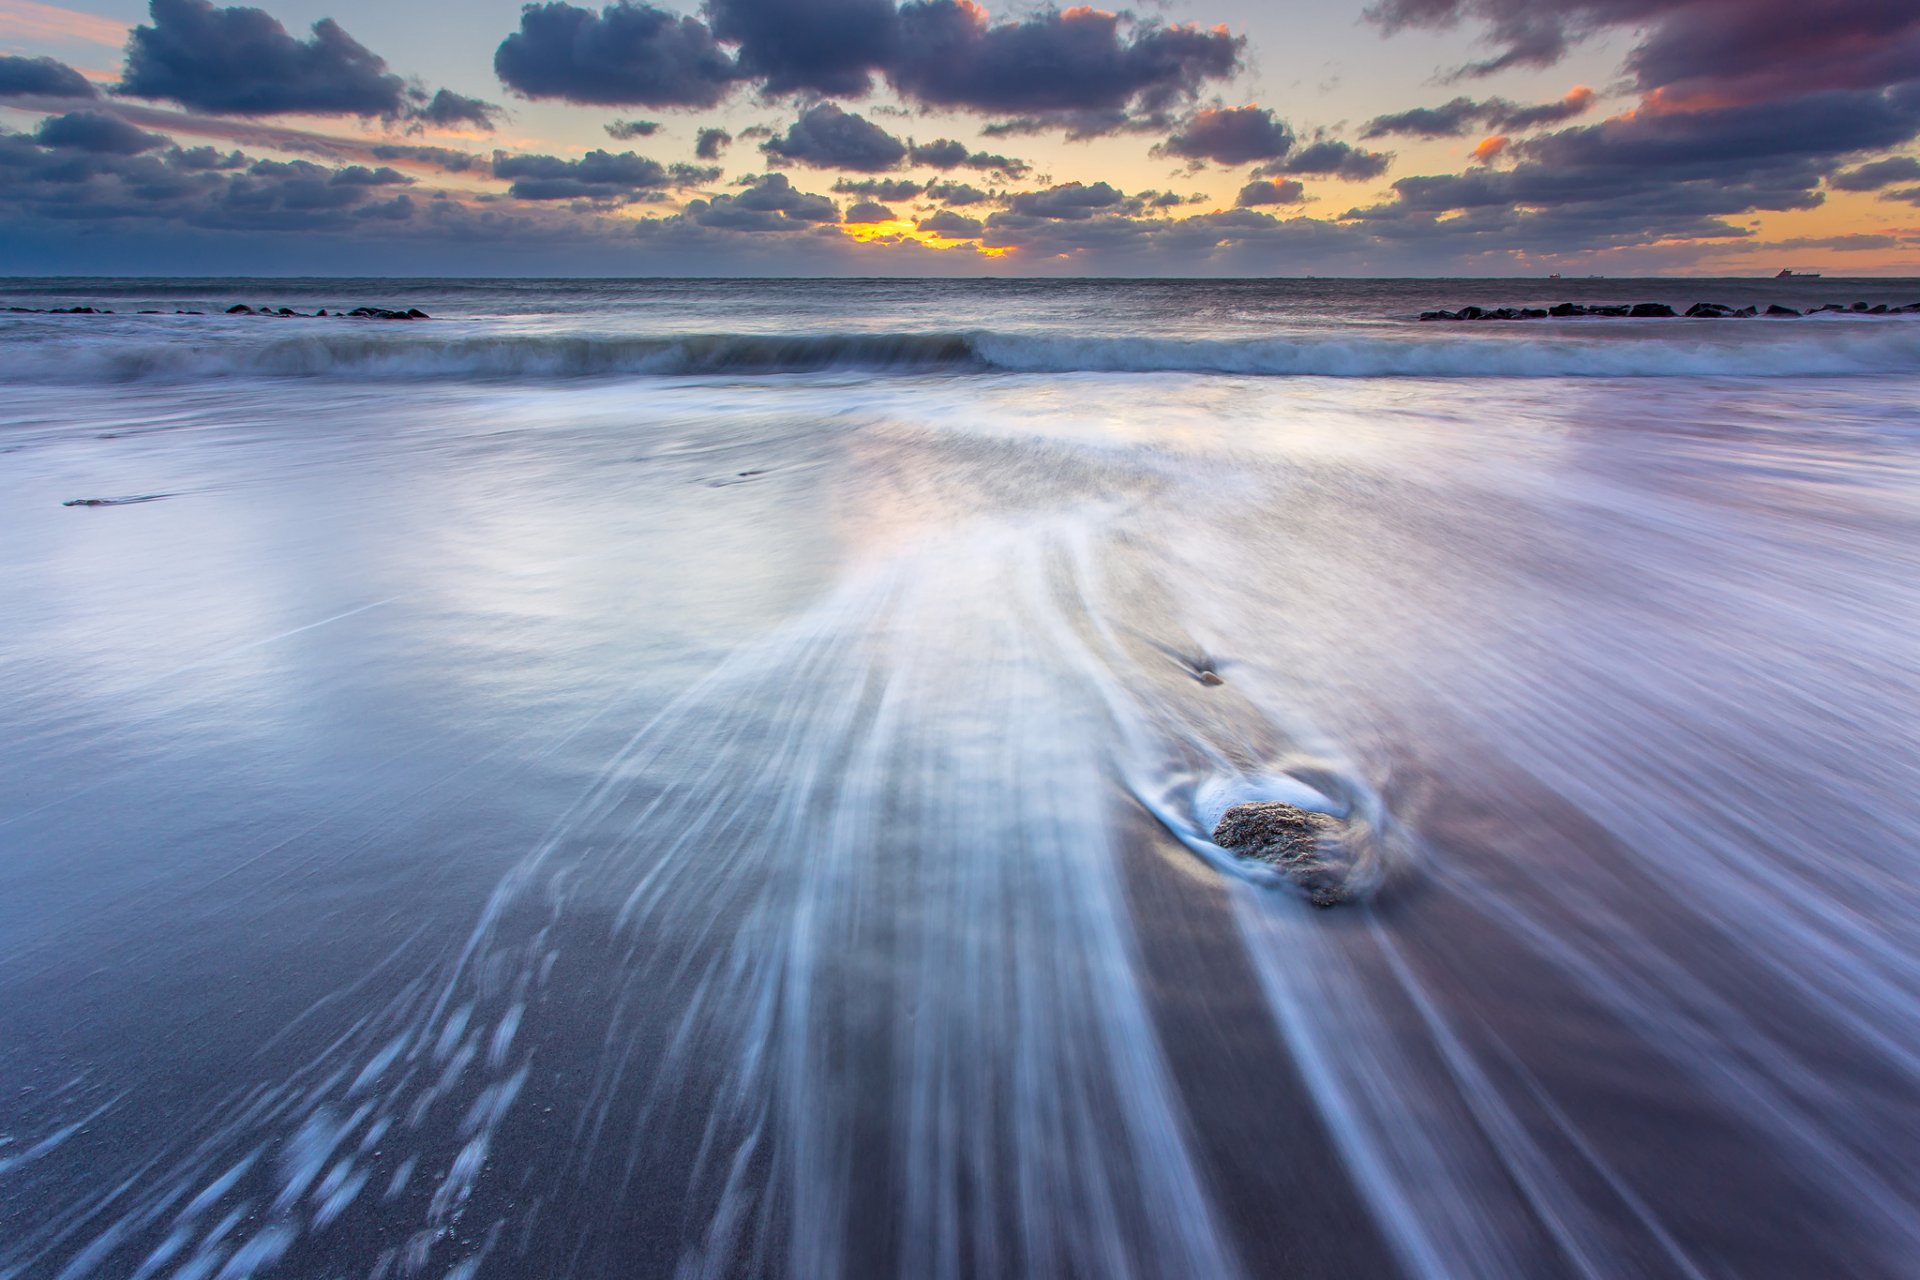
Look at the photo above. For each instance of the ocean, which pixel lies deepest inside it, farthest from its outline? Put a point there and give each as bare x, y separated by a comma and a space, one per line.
715, 778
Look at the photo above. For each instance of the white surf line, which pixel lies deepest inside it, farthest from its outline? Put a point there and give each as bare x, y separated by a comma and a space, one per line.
191, 666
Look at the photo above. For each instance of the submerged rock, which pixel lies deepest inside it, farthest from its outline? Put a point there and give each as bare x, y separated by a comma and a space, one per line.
1308, 847
126, 501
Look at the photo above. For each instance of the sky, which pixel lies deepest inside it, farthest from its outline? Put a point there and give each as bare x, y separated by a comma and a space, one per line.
954, 138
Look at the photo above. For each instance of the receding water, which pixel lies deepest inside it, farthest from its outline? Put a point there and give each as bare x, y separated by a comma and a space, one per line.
510, 815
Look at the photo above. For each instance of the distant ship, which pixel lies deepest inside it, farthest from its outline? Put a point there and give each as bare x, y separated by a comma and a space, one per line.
1788, 273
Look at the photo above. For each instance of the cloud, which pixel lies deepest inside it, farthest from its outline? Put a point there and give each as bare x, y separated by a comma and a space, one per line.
826, 137
1747, 106
598, 175
879, 188
447, 109
241, 61
772, 203
1073, 201
1330, 158
73, 172
823, 46
948, 154
1852, 242
1229, 135
868, 211
958, 193
627, 130
1083, 125
948, 223
947, 53
444, 159
254, 133
1266, 191
711, 142
1081, 67
1651, 176
95, 131
628, 54
1515, 118
1881, 173
357, 175
1463, 115
42, 78
1726, 51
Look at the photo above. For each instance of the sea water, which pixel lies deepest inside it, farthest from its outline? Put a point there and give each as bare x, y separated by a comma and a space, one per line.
713, 779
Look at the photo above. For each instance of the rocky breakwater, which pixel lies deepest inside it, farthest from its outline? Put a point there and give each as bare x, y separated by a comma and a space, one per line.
1662, 311
242, 309
358, 313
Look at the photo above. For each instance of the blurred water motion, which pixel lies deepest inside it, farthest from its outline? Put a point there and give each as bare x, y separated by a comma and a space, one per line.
757, 826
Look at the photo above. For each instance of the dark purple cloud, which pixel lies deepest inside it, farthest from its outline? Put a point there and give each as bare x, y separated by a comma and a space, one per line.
771, 203
945, 222
625, 55
76, 174
1330, 158
868, 211
446, 109
827, 137
1647, 177
98, 132
822, 46
949, 154
1723, 51
879, 188
1084, 125
1464, 115
598, 175
42, 78
1881, 173
241, 61
1230, 135
1073, 201
957, 193
709, 143
1072, 66
1263, 191
627, 130
948, 53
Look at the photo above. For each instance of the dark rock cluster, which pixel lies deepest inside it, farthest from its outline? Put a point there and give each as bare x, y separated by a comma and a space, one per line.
1658, 310
240, 309
358, 313
1314, 850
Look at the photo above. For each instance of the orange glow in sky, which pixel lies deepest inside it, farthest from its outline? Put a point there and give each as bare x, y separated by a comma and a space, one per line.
897, 229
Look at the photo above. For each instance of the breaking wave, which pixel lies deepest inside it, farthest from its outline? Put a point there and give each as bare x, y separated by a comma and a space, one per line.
1655, 349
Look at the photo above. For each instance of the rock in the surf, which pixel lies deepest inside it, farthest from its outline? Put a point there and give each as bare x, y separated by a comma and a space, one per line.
1650, 310
1309, 848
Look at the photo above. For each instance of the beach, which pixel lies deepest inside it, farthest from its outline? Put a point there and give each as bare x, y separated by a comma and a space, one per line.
715, 779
